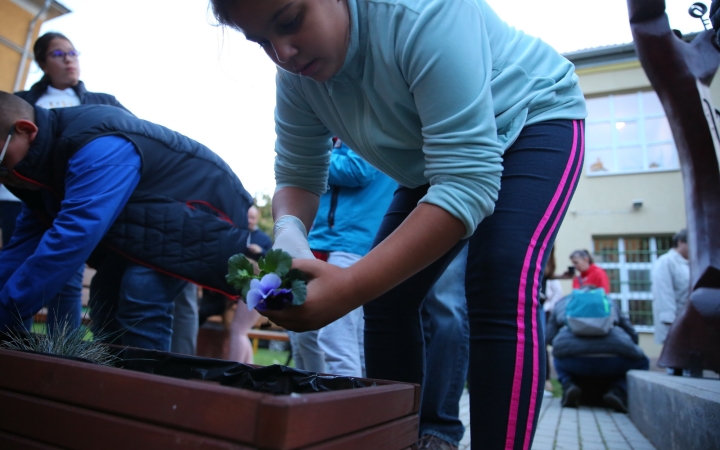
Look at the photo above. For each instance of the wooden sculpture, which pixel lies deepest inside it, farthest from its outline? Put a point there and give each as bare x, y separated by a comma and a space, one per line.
681, 74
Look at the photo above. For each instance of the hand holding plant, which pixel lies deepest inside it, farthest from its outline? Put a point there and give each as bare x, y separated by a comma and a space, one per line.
275, 287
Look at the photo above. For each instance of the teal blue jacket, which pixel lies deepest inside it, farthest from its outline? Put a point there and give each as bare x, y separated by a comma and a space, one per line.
431, 91
351, 210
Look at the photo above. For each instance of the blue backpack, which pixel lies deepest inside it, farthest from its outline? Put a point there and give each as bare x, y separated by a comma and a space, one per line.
589, 312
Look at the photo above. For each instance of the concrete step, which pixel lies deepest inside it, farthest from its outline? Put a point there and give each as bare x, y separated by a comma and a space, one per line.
673, 412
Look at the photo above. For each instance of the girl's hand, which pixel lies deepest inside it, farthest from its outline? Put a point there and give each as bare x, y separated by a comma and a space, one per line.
330, 296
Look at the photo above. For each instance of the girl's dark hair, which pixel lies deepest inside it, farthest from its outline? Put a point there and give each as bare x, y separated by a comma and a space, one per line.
221, 11
582, 254
43, 42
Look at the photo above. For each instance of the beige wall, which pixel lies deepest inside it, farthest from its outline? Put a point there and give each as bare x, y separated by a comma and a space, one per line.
613, 78
602, 205
15, 18
14, 22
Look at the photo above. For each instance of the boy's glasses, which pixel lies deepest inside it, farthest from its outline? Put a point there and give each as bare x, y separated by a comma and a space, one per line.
3, 171
61, 55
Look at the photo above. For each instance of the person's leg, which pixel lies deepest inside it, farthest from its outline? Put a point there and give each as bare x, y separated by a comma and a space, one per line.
104, 294
339, 339
570, 374
145, 307
394, 340
506, 257
185, 321
66, 306
447, 347
240, 347
618, 367
616, 396
564, 367
211, 304
306, 352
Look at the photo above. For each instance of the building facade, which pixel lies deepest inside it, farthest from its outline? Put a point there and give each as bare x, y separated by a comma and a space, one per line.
20, 22
630, 199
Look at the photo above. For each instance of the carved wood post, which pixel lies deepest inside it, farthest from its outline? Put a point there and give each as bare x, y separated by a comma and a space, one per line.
681, 73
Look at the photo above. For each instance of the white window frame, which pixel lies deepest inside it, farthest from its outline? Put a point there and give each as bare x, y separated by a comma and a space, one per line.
626, 296
642, 142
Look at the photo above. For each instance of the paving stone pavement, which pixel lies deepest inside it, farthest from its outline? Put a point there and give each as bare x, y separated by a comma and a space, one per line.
585, 428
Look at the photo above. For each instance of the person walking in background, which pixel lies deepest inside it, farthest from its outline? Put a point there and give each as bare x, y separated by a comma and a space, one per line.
589, 273
670, 285
59, 87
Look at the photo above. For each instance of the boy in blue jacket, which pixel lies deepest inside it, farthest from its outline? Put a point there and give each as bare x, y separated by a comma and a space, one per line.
147, 207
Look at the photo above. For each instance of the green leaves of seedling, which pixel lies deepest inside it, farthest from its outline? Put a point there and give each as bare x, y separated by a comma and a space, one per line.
275, 261
296, 281
241, 272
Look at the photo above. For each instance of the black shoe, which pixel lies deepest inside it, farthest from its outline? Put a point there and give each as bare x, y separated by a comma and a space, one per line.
616, 400
571, 396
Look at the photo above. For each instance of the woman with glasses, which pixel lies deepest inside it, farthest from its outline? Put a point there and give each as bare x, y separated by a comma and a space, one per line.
59, 87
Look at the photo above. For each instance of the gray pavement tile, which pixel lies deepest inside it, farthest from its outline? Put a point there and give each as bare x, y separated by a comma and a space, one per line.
574, 446
613, 444
600, 446
644, 446
542, 447
636, 443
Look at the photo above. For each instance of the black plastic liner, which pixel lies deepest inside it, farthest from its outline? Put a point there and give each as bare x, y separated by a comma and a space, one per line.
275, 379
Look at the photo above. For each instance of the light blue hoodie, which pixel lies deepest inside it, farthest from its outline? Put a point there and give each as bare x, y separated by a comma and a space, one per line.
431, 91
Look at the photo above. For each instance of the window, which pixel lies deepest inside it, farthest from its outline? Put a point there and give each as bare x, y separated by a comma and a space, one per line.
628, 262
628, 133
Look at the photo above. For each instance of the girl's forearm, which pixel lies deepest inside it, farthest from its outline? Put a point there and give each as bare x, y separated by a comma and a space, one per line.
426, 234
296, 202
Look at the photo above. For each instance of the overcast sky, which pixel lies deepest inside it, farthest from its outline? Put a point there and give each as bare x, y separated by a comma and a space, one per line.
165, 62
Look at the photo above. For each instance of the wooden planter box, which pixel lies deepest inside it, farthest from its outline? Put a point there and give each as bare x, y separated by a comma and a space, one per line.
48, 402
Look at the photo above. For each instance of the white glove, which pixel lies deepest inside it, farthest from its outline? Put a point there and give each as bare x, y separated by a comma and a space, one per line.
291, 236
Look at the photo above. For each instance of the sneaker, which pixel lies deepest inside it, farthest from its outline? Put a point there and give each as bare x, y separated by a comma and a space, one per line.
571, 396
431, 442
616, 400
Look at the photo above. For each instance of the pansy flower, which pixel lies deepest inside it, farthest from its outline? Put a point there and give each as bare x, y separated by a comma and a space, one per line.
266, 294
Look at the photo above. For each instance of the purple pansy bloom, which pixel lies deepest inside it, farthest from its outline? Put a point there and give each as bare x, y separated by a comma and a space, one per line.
265, 294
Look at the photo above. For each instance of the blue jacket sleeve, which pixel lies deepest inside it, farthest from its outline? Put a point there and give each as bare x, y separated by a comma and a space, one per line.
348, 169
99, 181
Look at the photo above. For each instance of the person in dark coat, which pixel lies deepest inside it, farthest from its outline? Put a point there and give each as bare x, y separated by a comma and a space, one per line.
259, 243
59, 87
592, 365
148, 208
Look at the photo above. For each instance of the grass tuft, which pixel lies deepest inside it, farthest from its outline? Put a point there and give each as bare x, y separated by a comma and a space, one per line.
63, 341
